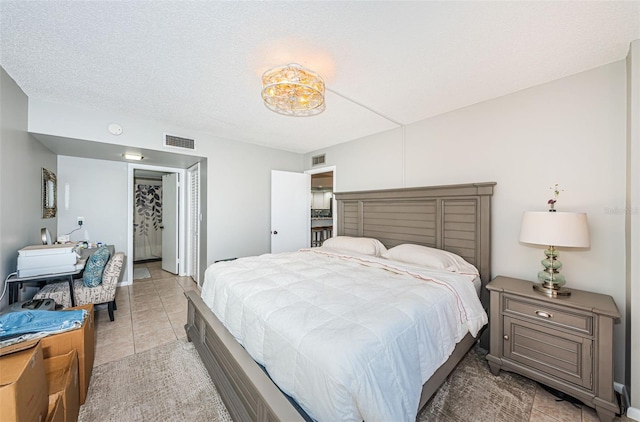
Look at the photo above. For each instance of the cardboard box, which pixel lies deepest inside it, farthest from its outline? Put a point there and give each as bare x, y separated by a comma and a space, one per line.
82, 341
62, 377
56, 408
23, 384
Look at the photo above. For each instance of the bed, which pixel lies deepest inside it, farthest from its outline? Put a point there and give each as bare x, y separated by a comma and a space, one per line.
454, 218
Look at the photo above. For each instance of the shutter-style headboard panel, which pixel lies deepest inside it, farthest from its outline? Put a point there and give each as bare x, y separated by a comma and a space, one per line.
455, 218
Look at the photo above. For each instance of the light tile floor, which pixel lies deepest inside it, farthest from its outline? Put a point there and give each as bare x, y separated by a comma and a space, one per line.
153, 312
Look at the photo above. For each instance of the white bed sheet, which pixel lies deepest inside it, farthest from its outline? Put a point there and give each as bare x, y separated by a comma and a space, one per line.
350, 338
477, 284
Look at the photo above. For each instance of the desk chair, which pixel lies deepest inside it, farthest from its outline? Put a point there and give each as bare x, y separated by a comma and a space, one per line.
105, 292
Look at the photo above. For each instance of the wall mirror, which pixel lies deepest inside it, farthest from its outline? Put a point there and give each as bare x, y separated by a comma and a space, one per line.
48, 194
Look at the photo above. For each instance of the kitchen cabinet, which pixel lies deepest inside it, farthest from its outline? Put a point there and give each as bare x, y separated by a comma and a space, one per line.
321, 200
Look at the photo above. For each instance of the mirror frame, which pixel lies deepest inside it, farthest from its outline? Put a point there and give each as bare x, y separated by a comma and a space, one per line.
49, 194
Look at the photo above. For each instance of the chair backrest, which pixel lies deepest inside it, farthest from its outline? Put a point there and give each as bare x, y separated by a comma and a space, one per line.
113, 271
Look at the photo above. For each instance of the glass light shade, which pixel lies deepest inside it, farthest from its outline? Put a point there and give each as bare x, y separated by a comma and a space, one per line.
293, 90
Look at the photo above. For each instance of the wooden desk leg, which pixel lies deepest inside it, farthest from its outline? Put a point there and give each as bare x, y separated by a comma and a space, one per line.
73, 299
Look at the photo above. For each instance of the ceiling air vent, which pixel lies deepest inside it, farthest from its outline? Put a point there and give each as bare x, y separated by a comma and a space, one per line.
317, 160
178, 142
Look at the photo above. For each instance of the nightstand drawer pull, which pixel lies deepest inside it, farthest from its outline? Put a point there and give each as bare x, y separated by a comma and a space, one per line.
544, 314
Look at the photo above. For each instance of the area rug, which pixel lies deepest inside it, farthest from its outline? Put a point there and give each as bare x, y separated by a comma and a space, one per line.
140, 273
167, 383
472, 393
170, 383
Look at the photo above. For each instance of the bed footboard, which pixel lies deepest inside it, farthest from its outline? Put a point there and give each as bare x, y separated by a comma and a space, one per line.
245, 389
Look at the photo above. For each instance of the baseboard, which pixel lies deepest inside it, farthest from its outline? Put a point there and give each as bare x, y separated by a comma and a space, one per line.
633, 413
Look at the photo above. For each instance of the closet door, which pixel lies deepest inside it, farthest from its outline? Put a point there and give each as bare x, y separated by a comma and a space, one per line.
193, 240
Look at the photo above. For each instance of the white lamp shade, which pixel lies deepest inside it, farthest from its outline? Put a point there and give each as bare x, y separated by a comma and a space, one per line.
564, 229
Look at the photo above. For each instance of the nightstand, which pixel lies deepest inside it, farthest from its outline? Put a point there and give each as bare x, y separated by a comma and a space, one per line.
563, 342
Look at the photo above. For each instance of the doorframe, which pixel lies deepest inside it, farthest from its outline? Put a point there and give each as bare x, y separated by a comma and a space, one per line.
333, 195
181, 226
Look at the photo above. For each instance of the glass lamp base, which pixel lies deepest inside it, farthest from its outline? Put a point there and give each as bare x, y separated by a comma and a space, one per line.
552, 291
551, 281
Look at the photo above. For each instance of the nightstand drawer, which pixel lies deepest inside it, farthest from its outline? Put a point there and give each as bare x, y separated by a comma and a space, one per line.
562, 355
542, 313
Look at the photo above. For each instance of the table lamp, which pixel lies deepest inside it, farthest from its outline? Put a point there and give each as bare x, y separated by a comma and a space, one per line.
554, 229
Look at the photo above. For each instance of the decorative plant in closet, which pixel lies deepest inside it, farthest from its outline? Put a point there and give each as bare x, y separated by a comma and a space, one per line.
149, 206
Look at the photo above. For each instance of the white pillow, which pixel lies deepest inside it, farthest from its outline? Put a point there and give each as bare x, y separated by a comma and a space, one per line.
360, 245
430, 257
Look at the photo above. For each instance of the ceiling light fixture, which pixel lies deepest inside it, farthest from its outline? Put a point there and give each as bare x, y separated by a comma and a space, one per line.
293, 90
132, 156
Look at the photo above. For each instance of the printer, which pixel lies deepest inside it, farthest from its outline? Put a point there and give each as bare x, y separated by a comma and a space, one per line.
40, 260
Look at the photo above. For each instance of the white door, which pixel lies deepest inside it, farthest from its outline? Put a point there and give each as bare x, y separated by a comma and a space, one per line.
170, 223
194, 222
290, 211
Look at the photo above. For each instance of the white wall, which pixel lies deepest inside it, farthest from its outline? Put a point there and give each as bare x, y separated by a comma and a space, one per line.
633, 228
238, 174
22, 158
570, 131
97, 191
374, 162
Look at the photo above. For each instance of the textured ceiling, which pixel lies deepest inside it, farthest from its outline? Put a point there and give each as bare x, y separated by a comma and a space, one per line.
198, 64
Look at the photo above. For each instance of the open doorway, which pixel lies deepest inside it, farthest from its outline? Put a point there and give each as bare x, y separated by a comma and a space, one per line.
322, 205
291, 205
147, 216
156, 220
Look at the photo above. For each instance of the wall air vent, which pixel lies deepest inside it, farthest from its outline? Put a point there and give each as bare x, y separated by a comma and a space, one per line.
317, 160
178, 142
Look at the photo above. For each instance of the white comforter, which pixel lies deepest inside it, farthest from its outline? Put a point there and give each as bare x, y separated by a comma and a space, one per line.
350, 338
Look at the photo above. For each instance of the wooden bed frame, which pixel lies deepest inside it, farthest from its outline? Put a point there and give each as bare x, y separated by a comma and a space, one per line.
456, 218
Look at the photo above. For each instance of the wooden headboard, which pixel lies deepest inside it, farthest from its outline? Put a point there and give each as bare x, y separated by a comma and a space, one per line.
456, 218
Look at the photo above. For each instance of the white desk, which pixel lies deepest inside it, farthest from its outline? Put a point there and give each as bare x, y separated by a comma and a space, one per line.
16, 282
